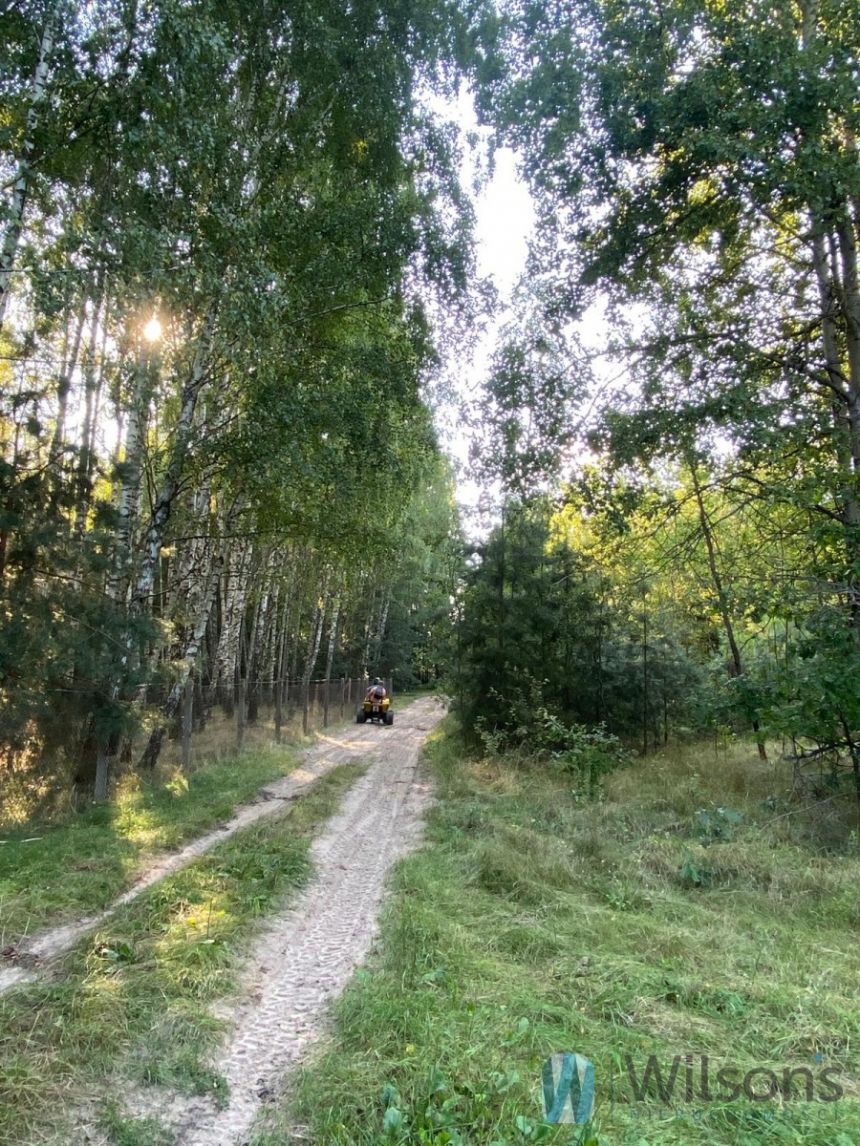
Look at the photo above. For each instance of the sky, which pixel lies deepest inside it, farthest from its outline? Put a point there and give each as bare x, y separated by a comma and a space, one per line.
505, 219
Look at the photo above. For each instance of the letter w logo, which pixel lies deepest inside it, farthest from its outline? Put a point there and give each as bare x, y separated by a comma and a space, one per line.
568, 1088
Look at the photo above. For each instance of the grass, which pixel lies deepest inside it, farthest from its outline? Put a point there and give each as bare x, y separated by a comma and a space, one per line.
653, 921
50, 872
131, 1003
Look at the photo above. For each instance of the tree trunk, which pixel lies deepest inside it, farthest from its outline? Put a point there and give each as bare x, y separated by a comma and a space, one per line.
251, 657
161, 509
281, 668
227, 653
737, 668
132, 471
313, 651
92, 391
102, 772
187, 723
64, 382
329, 661
644, 677
190, 656
21, 182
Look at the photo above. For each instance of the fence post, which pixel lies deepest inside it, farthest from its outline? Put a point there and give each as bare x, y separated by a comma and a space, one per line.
102, 769
326, 700
240, 715
187, 723
342, 697
279, 711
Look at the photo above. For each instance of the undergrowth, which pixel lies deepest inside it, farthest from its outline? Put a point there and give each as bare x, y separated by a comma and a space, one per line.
129, 1004
689, 910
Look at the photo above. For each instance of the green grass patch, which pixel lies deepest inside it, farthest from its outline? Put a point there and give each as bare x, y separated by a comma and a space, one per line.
131, 1002
52, 872
644, 923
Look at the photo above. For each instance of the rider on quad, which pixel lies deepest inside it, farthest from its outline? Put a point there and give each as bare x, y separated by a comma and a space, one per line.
376, 692
376, 706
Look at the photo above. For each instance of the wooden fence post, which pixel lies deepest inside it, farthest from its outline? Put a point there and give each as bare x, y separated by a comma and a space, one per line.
240, 715
187, 723
279, 711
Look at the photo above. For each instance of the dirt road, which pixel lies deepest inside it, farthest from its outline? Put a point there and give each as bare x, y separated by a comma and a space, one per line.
304, 958
36, 953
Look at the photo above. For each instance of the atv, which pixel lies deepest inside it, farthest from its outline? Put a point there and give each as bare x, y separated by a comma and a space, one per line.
374, 709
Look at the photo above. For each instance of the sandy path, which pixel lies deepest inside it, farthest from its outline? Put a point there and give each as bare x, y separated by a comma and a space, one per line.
304, 958
333, 749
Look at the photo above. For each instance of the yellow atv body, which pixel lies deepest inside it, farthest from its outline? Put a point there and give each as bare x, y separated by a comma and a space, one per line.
377, 710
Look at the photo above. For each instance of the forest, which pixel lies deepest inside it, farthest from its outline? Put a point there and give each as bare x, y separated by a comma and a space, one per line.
249, 369
221, 240
234, 265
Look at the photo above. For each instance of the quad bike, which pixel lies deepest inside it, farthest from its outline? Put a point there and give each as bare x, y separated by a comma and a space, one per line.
375, 709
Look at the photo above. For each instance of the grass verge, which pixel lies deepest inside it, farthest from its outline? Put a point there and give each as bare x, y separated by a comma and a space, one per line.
655, 921
131, 1002
53, 872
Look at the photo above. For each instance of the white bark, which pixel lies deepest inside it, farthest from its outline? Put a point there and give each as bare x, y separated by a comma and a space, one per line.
329, 661
227, 654
161, 510
190, 656
23, 174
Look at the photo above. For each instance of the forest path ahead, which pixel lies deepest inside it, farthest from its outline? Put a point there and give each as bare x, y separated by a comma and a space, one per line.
304, 957
331, 750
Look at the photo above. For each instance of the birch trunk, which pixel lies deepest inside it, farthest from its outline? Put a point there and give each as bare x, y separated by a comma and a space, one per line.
251, 657
161, 510
64, 383
383, 621
368, 636
227, 654
329, 660
23, 173
313, 651
189, 659
92, 393
132, 470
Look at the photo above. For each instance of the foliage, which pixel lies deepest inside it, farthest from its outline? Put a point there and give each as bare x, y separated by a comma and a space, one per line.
546, 628
696, 171
219, 255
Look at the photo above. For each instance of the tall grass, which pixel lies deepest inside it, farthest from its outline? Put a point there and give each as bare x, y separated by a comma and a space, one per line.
693, 909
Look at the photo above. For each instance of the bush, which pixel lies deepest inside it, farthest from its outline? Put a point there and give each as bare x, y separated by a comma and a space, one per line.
537, 732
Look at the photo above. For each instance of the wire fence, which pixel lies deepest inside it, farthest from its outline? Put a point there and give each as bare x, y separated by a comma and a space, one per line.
212, 722
318, 702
